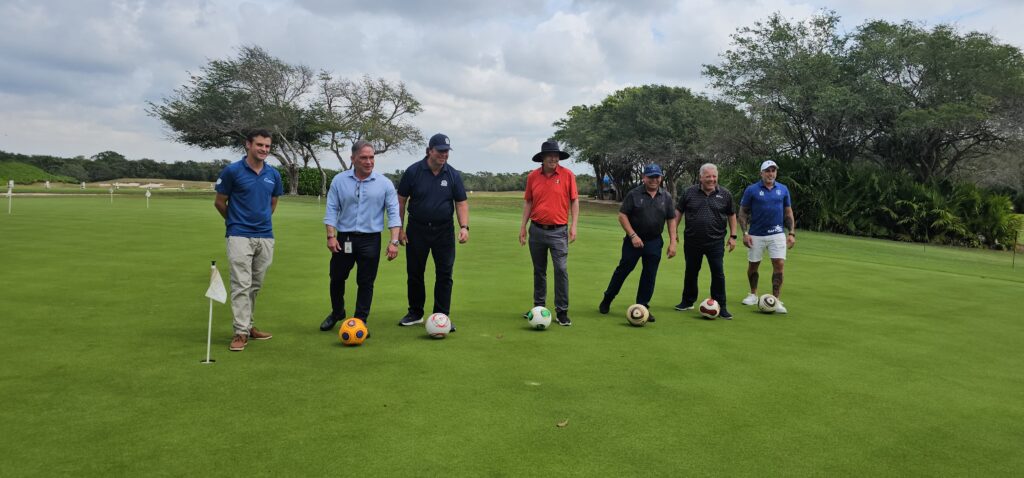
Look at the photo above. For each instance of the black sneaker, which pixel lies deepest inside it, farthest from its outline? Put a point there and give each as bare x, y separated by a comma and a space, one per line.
606, 304
453, 326
650, 317
725, 315
410, 319
682, 306
329, 322
563, 318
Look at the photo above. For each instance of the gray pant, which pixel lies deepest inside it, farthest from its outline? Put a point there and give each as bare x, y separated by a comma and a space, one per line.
556, 241
250, 257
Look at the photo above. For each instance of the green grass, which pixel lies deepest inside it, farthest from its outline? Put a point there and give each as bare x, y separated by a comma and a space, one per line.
23, 173
894, 360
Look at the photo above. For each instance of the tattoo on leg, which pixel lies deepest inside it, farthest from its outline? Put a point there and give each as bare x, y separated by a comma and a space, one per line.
776, 283
752, 277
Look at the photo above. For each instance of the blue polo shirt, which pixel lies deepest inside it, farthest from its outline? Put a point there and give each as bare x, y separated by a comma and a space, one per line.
767, 207
358, 205
431, 198
249, 197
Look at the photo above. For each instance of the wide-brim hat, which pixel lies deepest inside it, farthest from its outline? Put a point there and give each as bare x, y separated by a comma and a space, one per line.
549, 147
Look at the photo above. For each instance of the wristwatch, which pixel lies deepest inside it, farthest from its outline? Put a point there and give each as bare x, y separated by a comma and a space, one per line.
395, 242
732, 236
466, 227
330, 237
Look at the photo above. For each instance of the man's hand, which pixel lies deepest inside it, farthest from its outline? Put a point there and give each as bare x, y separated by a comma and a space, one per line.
402, 238
522, 235
572, 234
748, 240
671, 250
333, 245
463, 235
731, 244
392, 251
637, 242
790, 241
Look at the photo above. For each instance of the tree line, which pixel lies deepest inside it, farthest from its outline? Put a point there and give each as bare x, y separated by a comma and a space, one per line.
111, 165
892, 130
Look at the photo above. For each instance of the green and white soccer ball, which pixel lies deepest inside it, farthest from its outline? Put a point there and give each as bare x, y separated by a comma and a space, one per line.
540, 318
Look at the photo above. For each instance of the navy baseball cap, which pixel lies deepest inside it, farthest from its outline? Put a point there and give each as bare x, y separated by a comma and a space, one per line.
440, 142
652, 170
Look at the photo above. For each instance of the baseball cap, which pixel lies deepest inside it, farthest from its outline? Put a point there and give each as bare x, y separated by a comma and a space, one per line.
767, 164
652, 170
440, 142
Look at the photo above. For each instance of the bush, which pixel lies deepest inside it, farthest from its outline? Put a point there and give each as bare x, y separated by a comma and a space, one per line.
309, 180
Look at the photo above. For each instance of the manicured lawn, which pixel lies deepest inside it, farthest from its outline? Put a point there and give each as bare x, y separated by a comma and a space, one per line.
894, 360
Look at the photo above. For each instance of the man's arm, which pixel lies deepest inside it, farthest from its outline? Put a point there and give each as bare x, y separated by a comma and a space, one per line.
574, 207
790, 223
273, 204
527, 208
221, 203
673, 235
744, 220
462, 213
626, 226
731, 243
401, 219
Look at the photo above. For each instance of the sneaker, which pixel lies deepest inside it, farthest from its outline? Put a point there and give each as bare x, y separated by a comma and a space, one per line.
453, 326
238, 343
258, 334
527, 315
563, 318
682, 306
329, 322
725, 315
650, 317
410, 319
605, 306
779, 308
750, 299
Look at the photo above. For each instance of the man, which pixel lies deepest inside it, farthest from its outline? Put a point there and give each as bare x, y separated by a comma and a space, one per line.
643, 215
767, 207
550, 196
356, 205
431, 190
708, 208
247, 192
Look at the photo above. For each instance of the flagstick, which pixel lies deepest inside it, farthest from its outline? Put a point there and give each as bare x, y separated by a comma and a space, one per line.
10, 198
209, 327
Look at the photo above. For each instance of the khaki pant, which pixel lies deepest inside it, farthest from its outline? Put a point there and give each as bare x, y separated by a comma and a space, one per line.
250, 257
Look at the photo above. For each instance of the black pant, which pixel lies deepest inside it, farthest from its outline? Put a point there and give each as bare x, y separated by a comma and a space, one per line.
424, 240
366, 253
651, 255
695, 253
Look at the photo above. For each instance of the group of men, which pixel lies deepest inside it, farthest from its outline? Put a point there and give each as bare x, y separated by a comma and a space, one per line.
431, 192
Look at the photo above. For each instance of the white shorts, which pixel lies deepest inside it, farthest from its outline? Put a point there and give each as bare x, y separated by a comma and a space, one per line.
775, 243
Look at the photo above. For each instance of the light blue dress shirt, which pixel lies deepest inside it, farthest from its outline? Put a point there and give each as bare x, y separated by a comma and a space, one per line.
355, 205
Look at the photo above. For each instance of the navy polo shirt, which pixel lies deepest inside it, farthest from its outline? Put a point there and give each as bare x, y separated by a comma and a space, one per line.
431, 198
767, 207
249, 197
706, 215
647, 215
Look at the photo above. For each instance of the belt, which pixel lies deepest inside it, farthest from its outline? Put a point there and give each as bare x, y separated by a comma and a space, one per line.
357, 234
548, 227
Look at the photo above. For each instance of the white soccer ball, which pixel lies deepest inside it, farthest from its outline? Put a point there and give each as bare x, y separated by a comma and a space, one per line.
540, 318
637, 315
438, 325
710, 308
766, 303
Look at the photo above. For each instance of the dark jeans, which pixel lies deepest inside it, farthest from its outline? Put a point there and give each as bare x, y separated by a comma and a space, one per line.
651, 255
695, 253
365, 253
424, 240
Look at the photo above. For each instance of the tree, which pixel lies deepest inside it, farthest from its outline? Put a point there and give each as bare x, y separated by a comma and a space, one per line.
307, 115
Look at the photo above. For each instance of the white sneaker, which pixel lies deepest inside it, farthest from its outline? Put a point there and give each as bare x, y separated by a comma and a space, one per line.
750, 300
779, 308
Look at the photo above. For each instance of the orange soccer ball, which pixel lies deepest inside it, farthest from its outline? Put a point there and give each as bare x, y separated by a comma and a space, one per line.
352, 332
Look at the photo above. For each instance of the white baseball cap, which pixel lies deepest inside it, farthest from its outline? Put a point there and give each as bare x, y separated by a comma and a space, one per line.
767, 164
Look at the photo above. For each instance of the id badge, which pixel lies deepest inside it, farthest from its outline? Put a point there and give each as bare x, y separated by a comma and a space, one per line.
348, 247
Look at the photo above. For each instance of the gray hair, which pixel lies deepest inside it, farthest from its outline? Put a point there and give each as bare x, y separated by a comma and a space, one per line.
359, 145
705, 167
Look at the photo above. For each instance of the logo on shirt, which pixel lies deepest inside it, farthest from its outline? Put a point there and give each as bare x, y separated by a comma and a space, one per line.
777, 192
444, 183
218, 181
761, 193
268, 180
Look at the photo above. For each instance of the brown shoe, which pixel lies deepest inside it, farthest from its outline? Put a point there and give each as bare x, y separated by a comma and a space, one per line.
258, 334
238, 343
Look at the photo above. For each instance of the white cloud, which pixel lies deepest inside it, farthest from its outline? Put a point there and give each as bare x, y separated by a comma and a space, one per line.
509, 145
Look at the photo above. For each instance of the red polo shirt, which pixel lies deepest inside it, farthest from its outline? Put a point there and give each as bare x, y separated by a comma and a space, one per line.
550, 195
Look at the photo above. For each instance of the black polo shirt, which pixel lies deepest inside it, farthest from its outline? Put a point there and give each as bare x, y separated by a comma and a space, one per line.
706, 215
648, 214
431, 198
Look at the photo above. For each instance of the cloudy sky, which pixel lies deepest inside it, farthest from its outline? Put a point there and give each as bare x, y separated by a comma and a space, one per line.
77, 74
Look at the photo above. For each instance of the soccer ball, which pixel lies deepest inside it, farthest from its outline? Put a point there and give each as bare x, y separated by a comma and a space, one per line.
352, 332
637, 315
766, 303
438, 325
540, 318
709, 309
